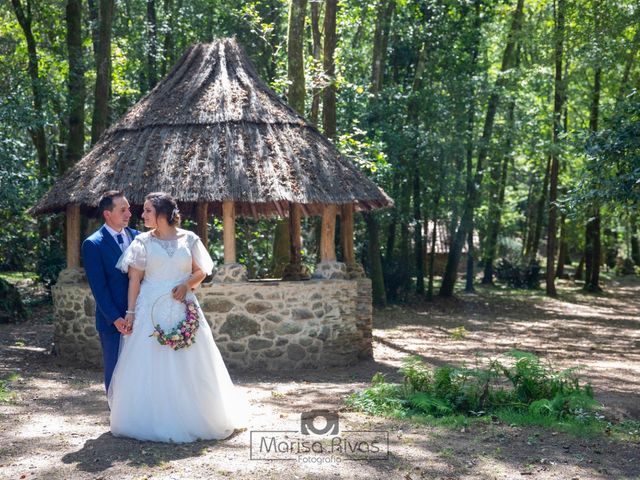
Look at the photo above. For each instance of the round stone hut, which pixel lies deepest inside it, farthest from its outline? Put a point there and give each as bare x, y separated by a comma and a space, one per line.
218, 139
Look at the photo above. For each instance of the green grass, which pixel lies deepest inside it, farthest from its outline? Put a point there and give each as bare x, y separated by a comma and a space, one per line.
6, 394
582, 428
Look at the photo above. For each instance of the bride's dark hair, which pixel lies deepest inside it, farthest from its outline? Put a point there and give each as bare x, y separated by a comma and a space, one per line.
165, 205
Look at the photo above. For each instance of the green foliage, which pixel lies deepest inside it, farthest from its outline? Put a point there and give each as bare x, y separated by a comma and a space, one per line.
430, 404
417, 376
382, 398
6, 394
612, 169
11, 305
458, 333
51, 260
527, 387
427, 125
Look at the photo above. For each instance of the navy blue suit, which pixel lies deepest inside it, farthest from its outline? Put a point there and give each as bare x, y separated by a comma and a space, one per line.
109, 286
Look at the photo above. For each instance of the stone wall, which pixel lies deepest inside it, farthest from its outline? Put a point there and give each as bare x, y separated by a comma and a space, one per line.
268, 325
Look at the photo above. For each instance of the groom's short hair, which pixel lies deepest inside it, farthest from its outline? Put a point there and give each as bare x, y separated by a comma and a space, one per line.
106, 201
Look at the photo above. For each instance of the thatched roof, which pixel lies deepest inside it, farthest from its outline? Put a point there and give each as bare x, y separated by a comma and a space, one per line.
213, 131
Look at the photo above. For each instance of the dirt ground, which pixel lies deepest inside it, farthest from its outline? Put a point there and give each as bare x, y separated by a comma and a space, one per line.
57, 425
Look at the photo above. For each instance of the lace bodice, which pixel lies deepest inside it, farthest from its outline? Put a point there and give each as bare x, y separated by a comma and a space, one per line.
166, 260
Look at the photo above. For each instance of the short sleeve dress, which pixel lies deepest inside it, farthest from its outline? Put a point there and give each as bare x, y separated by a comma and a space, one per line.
158, 393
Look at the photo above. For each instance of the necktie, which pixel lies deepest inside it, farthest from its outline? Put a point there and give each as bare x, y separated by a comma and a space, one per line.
120, 241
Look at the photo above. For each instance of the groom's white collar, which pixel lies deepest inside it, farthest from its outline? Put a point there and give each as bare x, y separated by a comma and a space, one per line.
112, 231
125, 231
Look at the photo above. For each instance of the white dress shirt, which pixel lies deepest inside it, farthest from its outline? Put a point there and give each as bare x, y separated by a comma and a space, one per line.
125, 237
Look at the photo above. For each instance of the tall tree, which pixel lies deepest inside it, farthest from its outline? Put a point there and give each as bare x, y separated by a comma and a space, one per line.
466, 223
168, 56
378, 63
152, 53
558, 101
316, 49
296, 98
329, 67
103, 71
25, 19
76, 83
498, 174
295, 55
593, 249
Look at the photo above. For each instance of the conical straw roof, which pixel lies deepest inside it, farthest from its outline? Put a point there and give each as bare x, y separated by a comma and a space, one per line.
213, 131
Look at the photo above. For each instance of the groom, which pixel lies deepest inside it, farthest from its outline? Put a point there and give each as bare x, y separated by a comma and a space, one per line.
100, 253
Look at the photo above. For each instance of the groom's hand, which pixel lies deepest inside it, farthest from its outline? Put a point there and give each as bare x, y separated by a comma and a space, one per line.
121, 326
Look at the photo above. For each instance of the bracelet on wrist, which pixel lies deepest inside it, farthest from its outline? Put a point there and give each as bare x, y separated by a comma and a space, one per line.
131, 311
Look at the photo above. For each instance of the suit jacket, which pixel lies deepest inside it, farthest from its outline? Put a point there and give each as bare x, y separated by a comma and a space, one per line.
109, 286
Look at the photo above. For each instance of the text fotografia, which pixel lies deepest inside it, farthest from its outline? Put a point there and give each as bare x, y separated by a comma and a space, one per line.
319, 443
292, 445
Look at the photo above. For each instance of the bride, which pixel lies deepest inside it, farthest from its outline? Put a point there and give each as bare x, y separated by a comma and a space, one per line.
170, 384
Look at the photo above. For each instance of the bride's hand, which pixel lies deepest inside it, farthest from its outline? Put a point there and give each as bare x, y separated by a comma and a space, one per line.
128, 319
180, 292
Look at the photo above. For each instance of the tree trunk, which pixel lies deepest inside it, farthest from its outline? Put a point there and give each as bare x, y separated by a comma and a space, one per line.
152, 54
579, 269
635, 242
168, 53
466, 223
559, 94
316, 37
76, 84
593, 249
498, 186
432, 253
417, 229
532, 251
558, 101
93, 19
389, 250
282, 247
37, 131
377, 79
329, 67
380, 40
563, 247
403, 264
375, 267
103, 72
456, 231
295, 57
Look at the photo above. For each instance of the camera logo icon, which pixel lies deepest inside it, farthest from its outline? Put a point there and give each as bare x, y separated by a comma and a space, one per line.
308, 422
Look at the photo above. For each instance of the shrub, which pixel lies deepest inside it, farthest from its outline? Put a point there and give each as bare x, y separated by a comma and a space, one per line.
526, 386
11, 306
51, 260
624, 266
518, 276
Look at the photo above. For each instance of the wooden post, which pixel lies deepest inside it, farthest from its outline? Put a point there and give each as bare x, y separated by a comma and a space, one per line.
295, 234
346, 232
229, 231
327, 237
73, 236
201, 219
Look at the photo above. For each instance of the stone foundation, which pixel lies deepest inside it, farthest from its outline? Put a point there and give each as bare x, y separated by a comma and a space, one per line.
267, 325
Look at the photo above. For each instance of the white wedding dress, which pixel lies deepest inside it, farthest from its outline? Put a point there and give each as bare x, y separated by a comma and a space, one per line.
158, 393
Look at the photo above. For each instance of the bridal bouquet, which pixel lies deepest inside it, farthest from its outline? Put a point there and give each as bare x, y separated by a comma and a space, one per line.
183, 334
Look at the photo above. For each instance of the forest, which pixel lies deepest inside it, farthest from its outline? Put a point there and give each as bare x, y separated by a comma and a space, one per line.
507, 132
